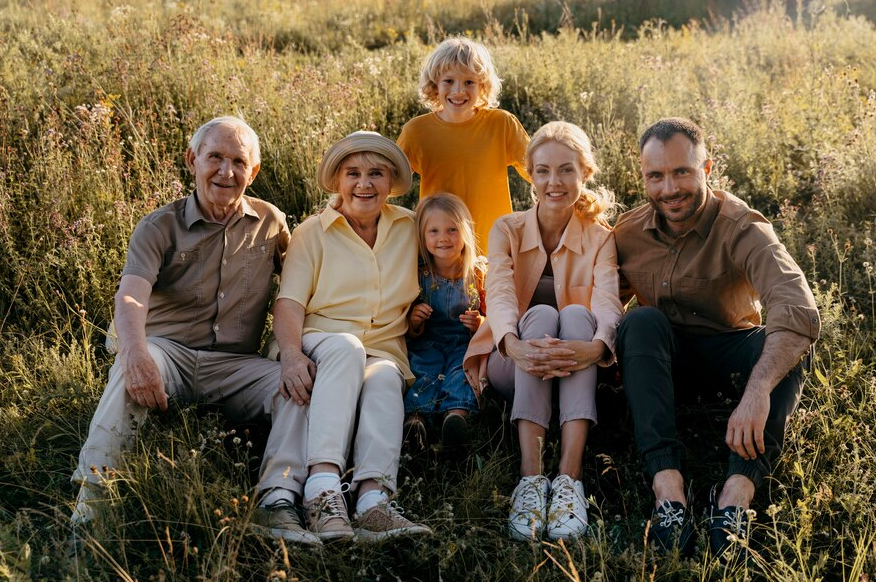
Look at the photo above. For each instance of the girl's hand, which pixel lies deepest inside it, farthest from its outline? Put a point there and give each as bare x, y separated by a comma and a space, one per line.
418, 316
472, 320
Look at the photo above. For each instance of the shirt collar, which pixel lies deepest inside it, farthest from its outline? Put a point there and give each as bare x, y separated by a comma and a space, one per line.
193, 212
571, 238
388, 214
703, 224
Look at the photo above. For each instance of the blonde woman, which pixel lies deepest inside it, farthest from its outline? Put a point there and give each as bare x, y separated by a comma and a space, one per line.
552, 292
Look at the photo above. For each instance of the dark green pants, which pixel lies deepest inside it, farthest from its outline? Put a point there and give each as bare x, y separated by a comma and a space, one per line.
661, 363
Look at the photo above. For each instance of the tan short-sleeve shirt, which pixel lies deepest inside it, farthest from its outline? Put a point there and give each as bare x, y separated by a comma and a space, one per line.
346, 286
715, 277
211, 283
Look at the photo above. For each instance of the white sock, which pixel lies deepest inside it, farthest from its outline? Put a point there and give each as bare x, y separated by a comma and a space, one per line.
368, 500
319, 482
275, 496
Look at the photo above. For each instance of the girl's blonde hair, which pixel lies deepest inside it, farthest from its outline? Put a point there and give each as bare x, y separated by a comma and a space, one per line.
594, 204
464, 53
461, 217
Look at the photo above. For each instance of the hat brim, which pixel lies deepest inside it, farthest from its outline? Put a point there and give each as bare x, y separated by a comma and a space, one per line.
365, 141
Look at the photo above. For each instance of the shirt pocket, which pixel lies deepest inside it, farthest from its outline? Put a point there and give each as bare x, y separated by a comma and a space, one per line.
260, 266
707, 297
180, 272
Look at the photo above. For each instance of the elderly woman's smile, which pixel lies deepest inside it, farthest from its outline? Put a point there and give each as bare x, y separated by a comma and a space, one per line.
363, 185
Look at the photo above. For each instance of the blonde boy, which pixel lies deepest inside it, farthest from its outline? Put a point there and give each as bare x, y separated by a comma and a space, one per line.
465, 144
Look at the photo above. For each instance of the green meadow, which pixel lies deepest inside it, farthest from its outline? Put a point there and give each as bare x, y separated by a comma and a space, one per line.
97, 102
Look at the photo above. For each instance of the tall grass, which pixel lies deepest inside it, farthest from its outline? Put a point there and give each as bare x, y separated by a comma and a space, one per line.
97, 101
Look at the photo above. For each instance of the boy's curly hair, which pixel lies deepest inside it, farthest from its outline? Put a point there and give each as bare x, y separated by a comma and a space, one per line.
464, 53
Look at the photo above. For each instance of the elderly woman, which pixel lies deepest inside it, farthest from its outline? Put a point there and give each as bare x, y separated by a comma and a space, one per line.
552, 297
351, 274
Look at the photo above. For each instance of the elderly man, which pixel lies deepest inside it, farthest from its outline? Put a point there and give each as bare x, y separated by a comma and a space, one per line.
190, 312
700, 262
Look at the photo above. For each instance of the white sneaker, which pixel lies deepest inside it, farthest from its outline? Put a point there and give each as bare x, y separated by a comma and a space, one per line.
567, 517
528, 508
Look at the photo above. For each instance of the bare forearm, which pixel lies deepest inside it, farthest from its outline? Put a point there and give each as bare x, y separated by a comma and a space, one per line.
288, 325
782, 351
132, 307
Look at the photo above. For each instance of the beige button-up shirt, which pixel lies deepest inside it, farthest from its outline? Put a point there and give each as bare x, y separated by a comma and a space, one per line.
346, 286
585, 273
714, 278
211, 283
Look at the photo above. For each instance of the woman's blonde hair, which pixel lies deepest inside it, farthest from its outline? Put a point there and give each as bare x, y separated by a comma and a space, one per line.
368, 159
594, 204
464, 53
461, 217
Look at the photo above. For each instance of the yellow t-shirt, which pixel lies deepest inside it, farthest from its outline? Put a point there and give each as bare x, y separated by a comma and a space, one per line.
346, 286
469, 159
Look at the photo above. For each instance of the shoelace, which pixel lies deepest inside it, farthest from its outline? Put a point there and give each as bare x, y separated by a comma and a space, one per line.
331, 502
670, 515
566, 495
530, 497
392, 507
735, 522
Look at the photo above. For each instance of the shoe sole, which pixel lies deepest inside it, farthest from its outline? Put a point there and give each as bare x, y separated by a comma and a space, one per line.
290, 536
366, 535
565, 536
518, 536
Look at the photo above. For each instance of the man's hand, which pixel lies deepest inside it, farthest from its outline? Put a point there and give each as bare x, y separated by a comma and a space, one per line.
745, 428
296, 377
143, 380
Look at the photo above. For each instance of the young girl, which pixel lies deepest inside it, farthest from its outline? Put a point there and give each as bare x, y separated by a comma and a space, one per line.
465, 145
450, 310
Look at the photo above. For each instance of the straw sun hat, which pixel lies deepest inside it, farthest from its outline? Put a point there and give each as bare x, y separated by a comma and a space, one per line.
364, 141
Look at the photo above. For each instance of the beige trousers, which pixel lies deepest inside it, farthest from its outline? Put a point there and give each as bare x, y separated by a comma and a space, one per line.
356, 404
246, 386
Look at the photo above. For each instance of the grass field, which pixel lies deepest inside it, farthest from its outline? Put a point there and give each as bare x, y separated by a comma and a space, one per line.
97, 101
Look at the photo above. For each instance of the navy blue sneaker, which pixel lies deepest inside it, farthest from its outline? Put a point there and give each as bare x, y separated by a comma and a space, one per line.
672, 528
728, 527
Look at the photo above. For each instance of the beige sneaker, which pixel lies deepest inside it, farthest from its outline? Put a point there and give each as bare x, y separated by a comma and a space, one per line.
281, 520
327, 516
386, 520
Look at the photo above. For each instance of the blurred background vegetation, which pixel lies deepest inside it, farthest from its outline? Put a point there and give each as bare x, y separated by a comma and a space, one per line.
98, 99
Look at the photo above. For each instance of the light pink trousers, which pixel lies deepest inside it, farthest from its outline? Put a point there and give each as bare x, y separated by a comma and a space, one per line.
531, 396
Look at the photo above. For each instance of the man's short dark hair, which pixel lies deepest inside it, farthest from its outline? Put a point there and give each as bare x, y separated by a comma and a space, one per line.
667, 127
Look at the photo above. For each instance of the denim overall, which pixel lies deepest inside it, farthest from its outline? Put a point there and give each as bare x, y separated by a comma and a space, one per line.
436, 355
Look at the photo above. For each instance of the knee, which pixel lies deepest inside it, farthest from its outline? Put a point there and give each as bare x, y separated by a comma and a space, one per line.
643, 323
577, 322
538, 321
341, 346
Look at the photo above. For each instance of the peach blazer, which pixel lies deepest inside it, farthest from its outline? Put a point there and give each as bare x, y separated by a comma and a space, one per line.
585, 273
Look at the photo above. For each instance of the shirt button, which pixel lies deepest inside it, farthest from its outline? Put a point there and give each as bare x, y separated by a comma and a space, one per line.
182, 256
216, 327
559, 286
674, 251
222, 295
224, 262
263, 248
556, 259
665, 284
